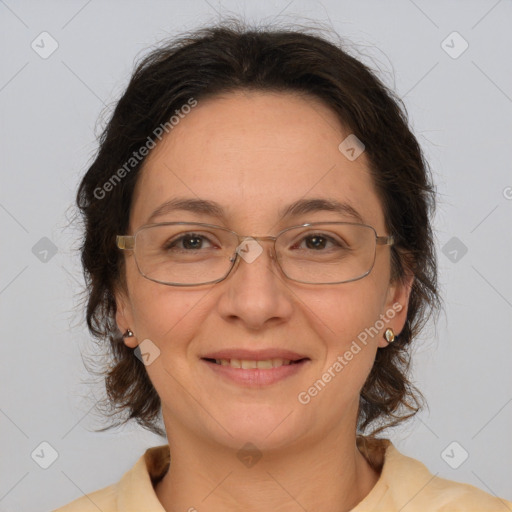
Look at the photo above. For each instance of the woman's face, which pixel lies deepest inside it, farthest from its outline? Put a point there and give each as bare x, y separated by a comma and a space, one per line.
254, 154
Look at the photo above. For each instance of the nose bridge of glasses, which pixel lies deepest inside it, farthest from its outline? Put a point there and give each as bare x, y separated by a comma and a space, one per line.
249, 247
266, 238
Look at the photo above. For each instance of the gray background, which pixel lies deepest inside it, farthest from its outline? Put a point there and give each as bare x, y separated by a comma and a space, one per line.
461, 110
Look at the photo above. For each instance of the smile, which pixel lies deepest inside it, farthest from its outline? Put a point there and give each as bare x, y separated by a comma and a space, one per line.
248, 364
255, 373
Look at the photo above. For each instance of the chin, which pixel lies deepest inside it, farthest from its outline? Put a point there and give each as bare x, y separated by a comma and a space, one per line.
265, 426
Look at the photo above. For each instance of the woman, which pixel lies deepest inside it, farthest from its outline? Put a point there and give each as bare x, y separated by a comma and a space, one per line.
259, 254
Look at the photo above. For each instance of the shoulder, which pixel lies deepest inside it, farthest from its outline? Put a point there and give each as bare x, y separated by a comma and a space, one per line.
448, 495
134, 491
413, 488
103, 499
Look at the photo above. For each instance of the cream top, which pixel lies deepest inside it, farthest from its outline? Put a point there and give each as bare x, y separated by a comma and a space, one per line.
404, 485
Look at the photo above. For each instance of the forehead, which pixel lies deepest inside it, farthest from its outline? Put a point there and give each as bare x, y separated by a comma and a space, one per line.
254, 153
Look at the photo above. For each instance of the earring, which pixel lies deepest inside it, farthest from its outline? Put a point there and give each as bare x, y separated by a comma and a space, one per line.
128, 334
389, 335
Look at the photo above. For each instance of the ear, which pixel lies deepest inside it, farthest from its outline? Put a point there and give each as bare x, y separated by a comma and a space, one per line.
396, 306
124, 316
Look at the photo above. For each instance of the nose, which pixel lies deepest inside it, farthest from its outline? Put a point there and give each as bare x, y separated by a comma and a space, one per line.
255, 293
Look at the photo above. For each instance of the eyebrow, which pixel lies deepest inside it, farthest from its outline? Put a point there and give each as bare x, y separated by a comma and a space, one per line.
295, 209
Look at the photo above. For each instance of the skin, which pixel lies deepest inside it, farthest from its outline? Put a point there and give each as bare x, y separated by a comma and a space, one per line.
253, 152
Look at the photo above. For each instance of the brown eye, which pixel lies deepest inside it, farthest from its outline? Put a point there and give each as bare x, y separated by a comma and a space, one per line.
188, 241
316, 242
192, 242
319, 242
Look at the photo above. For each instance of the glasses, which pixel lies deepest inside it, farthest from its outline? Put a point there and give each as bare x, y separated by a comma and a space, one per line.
193, 253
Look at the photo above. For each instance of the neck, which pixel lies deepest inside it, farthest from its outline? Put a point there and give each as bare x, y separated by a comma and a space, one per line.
328, 475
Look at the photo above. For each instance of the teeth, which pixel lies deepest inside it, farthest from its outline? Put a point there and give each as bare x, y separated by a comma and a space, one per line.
251, 364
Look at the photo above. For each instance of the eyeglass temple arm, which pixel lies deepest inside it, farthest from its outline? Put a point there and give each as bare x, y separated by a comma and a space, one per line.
385, 240
125, 242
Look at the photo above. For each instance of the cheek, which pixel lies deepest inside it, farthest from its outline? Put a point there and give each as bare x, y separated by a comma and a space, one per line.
345, 319
161, 312
345, 311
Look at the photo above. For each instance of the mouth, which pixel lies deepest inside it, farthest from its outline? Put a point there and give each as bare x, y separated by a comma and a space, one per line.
255, 369
251, 364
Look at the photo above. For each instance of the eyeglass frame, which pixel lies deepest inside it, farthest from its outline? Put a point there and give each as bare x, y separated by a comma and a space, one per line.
127, 243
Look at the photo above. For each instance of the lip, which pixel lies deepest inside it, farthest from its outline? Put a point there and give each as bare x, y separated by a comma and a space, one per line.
255, 355
256, 377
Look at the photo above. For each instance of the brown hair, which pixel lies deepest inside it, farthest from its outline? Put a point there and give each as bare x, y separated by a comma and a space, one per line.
233, 57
